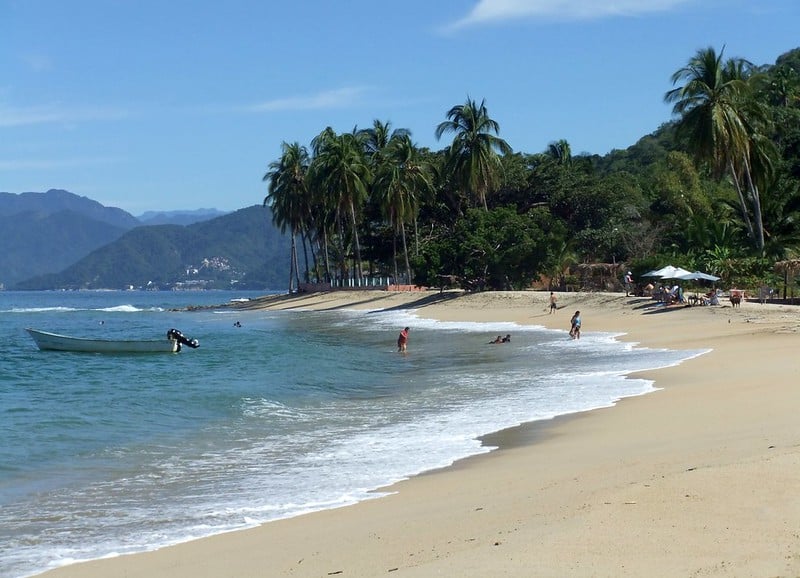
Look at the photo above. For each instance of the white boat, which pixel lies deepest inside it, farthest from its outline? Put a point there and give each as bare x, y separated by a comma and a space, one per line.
53, 341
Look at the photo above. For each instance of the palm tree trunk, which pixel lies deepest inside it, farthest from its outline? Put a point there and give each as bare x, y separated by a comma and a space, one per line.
316, 247
405, 252
356, 244
756, 198
296, 264
326, 256
303, 239
394, 256
292, 261
342, 249
742, 200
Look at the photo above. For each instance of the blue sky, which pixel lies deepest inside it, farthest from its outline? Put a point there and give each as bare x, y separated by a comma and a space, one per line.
177, 104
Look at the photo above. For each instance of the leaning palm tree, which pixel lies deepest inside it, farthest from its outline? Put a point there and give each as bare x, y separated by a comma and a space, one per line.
341, 172
400, 180
472, 158
287, 196
721, 123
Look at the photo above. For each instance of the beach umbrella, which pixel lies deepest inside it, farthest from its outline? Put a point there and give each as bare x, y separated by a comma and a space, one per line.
676, 273
698, 276
668, 272
658, 272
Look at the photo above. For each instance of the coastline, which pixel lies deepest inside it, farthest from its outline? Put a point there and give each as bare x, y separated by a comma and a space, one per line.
694, 479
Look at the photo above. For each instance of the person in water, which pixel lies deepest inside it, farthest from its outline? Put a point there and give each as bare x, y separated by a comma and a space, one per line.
499, 339
575, 326
506, 339
402, 341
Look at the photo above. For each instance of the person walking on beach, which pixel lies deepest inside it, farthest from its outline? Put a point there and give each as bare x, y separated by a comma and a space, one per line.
575, 326
402, 341
628, 283
553, 302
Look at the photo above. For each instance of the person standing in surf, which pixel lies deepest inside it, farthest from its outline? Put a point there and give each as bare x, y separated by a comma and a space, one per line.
575, 326
402, 341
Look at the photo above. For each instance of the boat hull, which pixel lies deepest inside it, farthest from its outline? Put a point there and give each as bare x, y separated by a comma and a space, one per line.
55, 342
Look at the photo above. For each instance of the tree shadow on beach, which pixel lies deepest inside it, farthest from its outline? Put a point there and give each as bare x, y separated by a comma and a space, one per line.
427, 300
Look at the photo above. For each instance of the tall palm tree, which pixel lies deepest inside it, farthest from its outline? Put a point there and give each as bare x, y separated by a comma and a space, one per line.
377, 138
401, 178
341, 172
288, 196
472, 158
721, 123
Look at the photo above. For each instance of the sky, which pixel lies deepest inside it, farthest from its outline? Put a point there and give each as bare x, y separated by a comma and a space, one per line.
163, 105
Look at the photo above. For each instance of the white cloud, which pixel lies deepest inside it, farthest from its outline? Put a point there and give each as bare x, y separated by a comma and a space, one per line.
54, 115
502, 10
337, 98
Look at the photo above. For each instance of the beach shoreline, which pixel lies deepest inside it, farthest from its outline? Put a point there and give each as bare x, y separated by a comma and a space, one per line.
696, 478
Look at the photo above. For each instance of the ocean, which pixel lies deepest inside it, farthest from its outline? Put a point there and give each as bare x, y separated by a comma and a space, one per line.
276, 414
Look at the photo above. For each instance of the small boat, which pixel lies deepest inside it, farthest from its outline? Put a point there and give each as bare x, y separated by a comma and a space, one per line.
53, 341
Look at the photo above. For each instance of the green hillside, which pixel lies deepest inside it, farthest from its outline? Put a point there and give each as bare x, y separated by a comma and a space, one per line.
241, 249
35, 243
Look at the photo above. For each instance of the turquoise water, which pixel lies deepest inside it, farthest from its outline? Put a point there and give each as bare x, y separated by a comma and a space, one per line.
289, 413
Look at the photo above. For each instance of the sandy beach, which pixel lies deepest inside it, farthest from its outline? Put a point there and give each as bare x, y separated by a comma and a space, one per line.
696, 479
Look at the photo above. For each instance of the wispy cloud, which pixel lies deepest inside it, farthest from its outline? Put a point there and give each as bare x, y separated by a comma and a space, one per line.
328, 99
493, 11
10, 116
37, 62
54, 164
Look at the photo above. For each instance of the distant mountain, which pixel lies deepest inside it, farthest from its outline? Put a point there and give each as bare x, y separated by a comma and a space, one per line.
241, 249
46, 232
179, 217
56, 200
37, 243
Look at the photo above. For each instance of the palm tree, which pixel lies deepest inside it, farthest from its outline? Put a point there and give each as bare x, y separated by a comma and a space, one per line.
721, 124
400, 179
341, 173
472, 158
560, 152
288, 196
377, 138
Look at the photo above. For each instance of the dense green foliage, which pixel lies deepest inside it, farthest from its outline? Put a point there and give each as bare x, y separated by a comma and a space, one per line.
236, 250
715, 189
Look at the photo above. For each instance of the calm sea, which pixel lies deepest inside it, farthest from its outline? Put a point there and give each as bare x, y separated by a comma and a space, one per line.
288, 413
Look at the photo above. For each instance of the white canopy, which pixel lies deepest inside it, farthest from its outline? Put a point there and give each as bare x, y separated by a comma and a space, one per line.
668, 272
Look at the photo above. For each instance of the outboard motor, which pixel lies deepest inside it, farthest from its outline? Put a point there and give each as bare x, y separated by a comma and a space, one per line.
182, 339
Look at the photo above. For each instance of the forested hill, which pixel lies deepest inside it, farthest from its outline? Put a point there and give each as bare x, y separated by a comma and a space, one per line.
57, 200
241, 249
45, 232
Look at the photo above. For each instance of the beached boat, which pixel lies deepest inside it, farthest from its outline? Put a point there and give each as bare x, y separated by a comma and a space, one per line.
53, 341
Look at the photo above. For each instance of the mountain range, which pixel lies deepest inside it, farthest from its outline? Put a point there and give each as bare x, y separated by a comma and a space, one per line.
59, 240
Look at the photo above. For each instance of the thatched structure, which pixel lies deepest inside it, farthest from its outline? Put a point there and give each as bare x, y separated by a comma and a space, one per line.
601, 276
789, 268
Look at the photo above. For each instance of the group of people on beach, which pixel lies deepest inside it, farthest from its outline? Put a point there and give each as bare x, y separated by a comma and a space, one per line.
574, 328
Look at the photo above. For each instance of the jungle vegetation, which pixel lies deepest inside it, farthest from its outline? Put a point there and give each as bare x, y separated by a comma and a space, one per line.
717, 188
